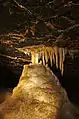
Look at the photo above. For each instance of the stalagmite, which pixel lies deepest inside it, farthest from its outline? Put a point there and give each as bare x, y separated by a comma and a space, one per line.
38, 95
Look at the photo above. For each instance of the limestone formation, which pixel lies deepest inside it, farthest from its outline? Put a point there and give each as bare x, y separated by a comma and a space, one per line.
45, 54
38, 95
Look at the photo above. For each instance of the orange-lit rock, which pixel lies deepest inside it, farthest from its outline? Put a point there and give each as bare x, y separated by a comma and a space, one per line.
38, 95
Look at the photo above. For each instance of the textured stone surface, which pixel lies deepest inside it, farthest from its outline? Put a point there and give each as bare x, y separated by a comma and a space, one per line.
38, 95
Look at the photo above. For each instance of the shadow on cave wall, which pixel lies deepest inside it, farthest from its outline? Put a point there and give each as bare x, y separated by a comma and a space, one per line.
70, 79
8, 79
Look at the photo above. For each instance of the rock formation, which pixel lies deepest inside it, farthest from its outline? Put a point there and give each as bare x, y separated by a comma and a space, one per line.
38, 95
45, 54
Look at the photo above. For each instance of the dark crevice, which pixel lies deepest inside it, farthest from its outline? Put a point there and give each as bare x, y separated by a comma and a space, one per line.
70, 78
8, 78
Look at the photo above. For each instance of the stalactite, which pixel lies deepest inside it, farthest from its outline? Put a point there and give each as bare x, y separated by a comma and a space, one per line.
65, 52
43, 58
62, 61
34, 58
54, 58
40, 60
46, 57
56, 55
58, 60
53, 54
61, 58
51, 57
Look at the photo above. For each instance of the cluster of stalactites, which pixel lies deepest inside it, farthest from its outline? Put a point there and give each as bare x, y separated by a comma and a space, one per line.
54, 55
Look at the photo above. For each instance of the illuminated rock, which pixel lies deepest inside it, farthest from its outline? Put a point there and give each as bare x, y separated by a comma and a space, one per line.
38, 95
47, 55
